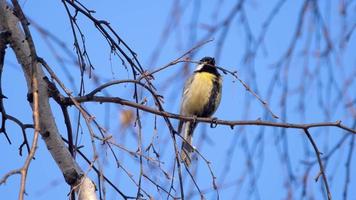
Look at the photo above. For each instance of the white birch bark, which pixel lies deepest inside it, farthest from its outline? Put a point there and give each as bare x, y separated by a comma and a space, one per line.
72, 173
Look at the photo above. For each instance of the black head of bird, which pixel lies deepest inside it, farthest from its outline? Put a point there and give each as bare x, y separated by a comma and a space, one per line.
207, 64
208, 60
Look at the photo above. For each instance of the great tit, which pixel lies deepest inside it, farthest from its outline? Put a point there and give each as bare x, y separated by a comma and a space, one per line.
201, 97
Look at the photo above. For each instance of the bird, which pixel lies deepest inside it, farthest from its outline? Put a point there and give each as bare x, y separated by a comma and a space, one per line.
201, 98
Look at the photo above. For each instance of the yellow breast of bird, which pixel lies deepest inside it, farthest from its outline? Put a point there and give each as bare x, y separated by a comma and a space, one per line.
197, 96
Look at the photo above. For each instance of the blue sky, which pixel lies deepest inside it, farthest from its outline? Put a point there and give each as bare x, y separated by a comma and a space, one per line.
140, 24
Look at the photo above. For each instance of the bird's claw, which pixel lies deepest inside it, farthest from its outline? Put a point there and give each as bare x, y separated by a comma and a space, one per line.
213, 123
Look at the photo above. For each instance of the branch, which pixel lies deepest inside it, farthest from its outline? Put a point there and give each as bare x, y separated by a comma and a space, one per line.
35, 92
321, 166
177, 60
212, 121
24, 49
3, 42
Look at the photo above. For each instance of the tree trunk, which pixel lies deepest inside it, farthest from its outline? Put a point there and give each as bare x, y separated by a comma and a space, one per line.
72, 173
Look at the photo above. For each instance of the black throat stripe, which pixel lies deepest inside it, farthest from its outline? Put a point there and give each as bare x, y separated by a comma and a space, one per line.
211, 106
209, 69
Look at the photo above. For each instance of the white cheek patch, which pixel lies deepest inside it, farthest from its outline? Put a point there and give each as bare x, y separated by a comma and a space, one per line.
199, 67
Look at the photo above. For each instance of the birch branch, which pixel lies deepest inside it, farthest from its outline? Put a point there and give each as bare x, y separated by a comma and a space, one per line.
21, 43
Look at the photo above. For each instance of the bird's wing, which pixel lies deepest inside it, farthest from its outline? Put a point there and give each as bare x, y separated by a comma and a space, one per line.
187, 83
185, 92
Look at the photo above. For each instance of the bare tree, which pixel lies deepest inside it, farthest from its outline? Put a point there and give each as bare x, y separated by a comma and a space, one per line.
309, 81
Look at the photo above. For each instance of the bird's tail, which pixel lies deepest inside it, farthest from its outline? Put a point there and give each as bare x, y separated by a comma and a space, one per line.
187, 145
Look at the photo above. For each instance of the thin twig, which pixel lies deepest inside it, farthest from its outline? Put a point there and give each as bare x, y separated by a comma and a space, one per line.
321, 166
35, 93
177, 60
